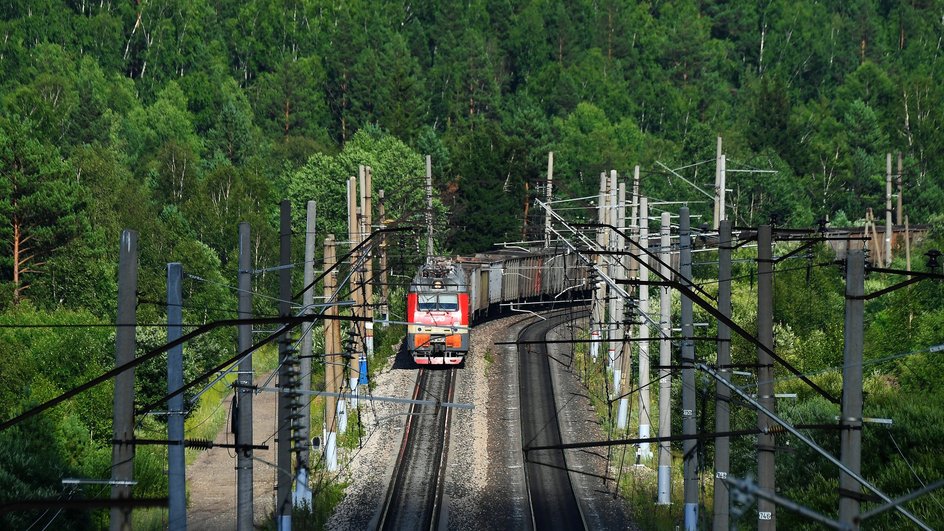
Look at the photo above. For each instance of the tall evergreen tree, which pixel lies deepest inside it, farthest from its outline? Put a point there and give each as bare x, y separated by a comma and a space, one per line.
42, 205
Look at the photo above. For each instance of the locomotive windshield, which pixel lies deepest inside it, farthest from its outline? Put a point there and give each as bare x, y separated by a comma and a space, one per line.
446, 302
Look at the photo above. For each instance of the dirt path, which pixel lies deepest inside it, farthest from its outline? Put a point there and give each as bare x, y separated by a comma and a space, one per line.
211, 479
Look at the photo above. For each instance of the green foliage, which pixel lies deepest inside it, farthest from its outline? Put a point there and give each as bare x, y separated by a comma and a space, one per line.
289, 101
180, 119
39, 364
42, 207
397, 169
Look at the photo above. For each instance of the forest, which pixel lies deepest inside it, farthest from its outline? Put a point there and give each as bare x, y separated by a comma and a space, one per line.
181, 118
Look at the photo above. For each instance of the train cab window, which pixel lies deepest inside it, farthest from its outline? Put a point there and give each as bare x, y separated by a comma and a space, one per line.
437, 303
449, 302
426, 303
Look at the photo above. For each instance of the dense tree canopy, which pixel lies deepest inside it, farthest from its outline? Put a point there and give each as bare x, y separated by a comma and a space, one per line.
181, 118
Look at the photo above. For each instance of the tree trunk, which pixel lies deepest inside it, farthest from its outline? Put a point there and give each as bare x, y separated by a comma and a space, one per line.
16, 259
287, 106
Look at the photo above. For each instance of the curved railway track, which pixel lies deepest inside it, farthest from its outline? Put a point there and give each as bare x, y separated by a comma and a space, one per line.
554, 504
415, 491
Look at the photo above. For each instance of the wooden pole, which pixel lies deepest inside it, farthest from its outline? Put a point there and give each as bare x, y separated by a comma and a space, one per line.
354, 231
429, 207
332, 358
900, 191
875, 240
907, 246
888, 209
368, 275
384, 286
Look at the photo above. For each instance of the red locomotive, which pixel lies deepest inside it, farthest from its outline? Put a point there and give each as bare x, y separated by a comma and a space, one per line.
437, 308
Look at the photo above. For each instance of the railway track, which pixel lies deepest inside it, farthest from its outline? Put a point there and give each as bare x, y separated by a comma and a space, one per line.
413, 499
554, 504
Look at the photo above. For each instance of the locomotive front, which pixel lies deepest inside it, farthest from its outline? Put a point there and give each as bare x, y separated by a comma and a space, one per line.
438, 314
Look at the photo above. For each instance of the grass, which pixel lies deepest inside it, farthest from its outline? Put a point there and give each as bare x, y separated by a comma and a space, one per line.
638, 484
204, 422
489, 359
211, 411
327, 491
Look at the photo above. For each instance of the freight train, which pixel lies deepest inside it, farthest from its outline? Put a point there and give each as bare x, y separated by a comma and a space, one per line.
448, 295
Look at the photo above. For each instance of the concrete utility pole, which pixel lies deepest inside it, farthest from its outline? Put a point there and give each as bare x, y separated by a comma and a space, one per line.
625, 364
302, 491
720, 177
665, 363
613, 318
548, 197
690, 472
722, 213
244, 497
597, 309
722, 393
888, 209
283, 500
850, 439
122, 453
332, 358
645, 408
429, 207
766, 510
622, 361
176, 465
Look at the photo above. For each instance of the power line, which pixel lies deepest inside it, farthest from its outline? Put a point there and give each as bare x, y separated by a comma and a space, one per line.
289, 323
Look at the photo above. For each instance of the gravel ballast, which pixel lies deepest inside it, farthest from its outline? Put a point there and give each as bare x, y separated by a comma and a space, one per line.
485, 485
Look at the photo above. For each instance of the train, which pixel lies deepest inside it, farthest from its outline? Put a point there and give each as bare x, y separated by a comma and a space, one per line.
437, 307
449, 295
